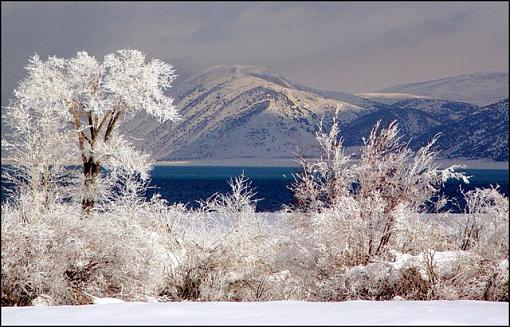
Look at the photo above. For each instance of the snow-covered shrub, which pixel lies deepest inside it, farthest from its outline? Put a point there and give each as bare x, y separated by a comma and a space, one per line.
225, 251
388, 183
354, 211
32, 254
485, 226
121, 253
483, 230
39, 148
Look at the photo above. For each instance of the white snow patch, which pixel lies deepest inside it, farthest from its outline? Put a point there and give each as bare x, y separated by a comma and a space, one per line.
445, 263
106, 300
264, 313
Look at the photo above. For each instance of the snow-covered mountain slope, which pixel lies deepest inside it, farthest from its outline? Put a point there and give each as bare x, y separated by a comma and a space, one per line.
482, 134
442, 110
411, 122
478, 88
242, 112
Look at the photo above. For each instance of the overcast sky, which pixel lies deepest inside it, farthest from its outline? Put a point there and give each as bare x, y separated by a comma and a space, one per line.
341, 46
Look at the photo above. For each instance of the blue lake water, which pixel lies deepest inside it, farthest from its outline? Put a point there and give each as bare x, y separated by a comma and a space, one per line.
188, 184
191, 183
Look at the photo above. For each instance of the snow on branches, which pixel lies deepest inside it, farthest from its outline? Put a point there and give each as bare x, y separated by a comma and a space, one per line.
387, 168
90, 98
123, 83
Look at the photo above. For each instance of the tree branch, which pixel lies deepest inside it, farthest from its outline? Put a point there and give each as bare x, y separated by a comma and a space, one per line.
111, 125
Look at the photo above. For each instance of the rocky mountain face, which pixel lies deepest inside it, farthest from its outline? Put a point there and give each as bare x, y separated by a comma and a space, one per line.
249, 112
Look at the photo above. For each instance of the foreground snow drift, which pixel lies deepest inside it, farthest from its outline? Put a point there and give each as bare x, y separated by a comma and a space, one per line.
258, 313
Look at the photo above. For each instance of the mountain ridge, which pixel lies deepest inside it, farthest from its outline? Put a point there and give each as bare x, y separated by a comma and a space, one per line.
483, 133
481, 88
238, 111
274, 115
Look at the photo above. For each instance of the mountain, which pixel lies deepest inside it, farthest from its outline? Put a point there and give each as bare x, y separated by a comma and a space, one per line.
248, 112
388, 98
243, 112
414, 116
481, 134
479, 88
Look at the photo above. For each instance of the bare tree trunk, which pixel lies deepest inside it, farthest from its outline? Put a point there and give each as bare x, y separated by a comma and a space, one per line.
91, 167
90, 172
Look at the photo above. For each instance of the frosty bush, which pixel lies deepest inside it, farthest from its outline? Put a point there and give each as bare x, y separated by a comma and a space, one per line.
39, 147
70, 260
485, 227
354, 213
483, 230
226, 251
370, 201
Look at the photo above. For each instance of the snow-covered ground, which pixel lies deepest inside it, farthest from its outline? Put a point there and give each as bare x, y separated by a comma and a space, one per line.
262, 313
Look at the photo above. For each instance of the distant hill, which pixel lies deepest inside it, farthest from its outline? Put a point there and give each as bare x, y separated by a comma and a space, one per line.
481, 134
478, 88
414, 116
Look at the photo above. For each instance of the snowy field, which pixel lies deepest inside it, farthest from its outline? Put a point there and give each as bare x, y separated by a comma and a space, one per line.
265, 313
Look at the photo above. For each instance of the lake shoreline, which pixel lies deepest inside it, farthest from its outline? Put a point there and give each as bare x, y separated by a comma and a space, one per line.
292, 162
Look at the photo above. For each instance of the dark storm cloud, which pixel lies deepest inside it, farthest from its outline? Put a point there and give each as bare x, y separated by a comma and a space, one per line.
342, 46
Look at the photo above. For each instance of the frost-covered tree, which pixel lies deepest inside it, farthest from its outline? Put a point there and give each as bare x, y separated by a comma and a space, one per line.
91, 98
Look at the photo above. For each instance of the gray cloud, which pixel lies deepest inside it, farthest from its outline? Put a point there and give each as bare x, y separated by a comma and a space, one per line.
344, 46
